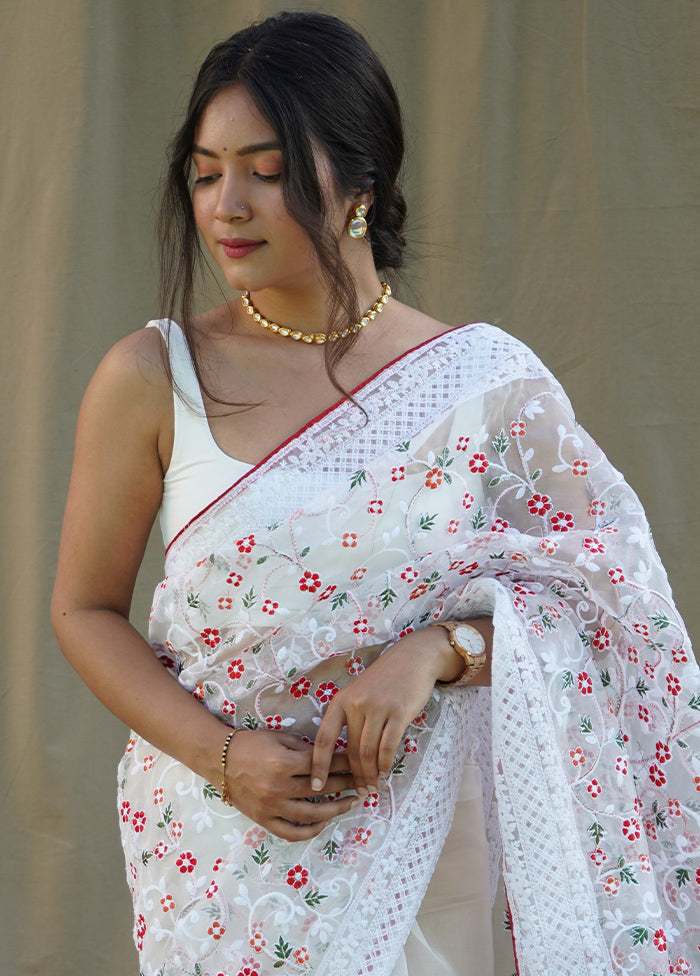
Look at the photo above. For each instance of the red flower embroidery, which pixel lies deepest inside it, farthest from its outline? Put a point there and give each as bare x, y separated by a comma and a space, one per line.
597, 507
410, 745
216, 930
462, 443
598, 856
359, 573
375, 506
621, 765
300, 688
468, 569
354, 666
409, 574
593, 544
585, 685
601, 639
212, 889
468, 501
577, 756
433, 478
210, 636
274, 722
633, 654
594, 788
269, 606
310, 582
361, 626
616, 575
301, 956
660, 940
362, 835
297, 876
562, 522
657, 775
579, 467
326, 691
500, 525
549, 546
349, 540
673, 684
398, 474
126, 811
518, 428
452, 526
234, 579
138, 821
663, 753
186, 862
611, 885
539, 504
168, 903
225, 603
329, 591
478, 463
630, 828
235, 669
160, 850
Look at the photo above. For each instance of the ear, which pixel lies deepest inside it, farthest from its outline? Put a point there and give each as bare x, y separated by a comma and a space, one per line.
365, 193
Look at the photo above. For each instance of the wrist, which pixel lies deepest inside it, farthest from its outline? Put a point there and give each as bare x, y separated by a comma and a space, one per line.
469, 641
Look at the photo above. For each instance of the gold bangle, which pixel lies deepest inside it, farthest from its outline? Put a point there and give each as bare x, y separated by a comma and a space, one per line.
224, 755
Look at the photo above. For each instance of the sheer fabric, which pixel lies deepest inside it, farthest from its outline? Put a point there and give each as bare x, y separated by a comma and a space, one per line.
469, 490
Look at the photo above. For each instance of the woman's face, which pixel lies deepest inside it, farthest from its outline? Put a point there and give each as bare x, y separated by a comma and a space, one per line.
238, 202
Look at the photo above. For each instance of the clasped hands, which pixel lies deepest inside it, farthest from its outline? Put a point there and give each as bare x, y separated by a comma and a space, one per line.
271, 775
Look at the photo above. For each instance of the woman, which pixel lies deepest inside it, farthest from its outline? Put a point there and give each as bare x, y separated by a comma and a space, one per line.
322, 553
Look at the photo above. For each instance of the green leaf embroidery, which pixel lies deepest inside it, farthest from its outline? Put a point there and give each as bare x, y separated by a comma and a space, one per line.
585, 725
642, 687
305, 551
536, 474
479, 520
262, 559
640, 935
291, 672
567, 680
314, 898
387, 596
695, 703
620, 741
194, 601
210, 792
250, 599
261, 855
339, 600
358, 478
330, 849
427, 522
605, 678
146, 857
661, 620
626, 874
403, 448
399, 766
250, 722
283, 950
500, 442
597, 832
682, 876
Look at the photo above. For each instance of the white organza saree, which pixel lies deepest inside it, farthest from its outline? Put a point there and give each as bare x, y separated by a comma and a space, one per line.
464, 489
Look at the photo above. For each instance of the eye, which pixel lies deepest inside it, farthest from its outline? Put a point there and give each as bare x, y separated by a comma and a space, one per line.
200, 180
268, 177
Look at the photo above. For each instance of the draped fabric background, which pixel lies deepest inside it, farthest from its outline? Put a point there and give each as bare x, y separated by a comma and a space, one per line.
553, 189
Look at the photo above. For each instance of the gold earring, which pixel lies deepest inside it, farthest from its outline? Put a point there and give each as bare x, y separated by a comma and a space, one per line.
357, 225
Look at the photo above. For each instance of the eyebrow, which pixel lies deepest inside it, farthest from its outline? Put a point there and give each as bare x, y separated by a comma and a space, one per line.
255, 147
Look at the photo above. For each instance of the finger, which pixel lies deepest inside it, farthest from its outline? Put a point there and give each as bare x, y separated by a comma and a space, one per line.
391, 737
372, 733
324, 747
306, 812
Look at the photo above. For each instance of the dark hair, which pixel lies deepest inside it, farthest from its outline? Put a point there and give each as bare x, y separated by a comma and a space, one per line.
315, 79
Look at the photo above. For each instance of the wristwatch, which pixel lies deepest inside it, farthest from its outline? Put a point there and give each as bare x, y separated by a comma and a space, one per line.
469, 644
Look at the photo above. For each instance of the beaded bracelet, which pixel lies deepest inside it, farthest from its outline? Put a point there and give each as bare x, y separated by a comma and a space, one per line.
224, 755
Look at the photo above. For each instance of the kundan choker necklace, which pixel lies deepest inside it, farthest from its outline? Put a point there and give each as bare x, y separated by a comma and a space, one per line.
318, 337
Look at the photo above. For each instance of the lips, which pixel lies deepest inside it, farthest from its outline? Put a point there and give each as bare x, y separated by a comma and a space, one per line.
239, 247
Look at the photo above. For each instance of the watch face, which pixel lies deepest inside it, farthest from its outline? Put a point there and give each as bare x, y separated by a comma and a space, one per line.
470, 639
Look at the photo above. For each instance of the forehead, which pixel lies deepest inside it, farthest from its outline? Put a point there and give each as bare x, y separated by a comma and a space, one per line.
233, 116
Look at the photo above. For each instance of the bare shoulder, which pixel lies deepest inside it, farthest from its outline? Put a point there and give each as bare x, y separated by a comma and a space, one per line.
130, 392
416, 327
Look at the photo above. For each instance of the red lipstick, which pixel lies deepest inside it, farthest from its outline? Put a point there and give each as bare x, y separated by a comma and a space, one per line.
239, 247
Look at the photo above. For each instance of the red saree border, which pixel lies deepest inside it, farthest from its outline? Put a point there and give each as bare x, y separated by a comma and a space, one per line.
311, 423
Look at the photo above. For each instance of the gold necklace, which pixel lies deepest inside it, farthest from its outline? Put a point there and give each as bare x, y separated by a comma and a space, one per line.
318, 337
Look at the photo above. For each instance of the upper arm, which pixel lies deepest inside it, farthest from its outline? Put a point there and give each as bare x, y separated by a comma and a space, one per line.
117, 478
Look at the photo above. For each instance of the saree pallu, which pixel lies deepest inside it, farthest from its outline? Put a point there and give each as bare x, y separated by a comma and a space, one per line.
462, 487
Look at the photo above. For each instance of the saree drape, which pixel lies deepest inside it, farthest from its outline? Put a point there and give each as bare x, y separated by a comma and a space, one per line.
459, 486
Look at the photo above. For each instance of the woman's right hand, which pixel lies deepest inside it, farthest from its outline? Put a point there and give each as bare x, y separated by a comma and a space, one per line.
268, 775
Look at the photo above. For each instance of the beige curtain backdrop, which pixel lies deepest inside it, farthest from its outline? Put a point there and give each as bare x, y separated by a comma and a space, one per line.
552, 178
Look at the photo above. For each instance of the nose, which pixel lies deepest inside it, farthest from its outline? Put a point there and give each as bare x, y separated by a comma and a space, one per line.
229, 206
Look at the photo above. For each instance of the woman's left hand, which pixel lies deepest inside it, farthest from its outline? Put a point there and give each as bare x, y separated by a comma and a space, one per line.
378, 705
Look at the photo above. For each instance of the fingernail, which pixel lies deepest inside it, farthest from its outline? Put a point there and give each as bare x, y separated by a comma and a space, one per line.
355, 803
373, 789
316, 785
383, 773
362, 792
